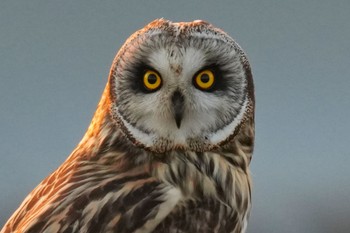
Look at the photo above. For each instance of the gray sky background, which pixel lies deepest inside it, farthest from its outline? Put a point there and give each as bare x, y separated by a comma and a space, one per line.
55, 58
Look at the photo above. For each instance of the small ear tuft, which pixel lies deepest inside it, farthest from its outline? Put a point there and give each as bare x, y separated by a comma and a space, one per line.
158, 23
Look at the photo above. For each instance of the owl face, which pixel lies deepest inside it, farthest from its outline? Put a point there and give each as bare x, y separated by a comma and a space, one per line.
179, 86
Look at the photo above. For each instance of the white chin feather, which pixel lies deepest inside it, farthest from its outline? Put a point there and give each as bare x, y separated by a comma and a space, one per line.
147, 139
222, 134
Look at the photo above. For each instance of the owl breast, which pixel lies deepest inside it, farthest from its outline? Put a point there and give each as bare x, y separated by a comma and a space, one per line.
215, 191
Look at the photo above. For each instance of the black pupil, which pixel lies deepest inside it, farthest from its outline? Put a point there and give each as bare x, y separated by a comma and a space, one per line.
152, 78
205, 78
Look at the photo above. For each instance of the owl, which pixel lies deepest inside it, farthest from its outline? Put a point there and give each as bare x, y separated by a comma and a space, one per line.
169, 146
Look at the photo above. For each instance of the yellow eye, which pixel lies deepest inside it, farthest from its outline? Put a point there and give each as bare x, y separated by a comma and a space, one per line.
204, 80
151, 80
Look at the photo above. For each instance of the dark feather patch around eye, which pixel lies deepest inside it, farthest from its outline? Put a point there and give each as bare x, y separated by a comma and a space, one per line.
135, 76
221, 81
136, 72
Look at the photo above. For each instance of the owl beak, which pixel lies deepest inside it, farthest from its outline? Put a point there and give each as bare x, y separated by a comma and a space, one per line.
178, 107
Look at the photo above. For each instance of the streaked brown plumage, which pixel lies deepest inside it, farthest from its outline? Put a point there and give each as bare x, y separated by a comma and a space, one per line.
114, 183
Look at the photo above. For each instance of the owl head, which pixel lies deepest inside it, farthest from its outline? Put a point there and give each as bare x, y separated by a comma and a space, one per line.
180, 86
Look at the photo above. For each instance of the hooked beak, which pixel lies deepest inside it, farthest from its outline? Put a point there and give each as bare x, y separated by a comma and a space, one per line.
178, 107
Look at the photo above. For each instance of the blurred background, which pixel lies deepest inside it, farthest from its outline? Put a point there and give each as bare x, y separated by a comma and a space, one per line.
54, 61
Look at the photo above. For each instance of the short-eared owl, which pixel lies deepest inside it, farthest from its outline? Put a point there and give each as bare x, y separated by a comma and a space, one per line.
169, 147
